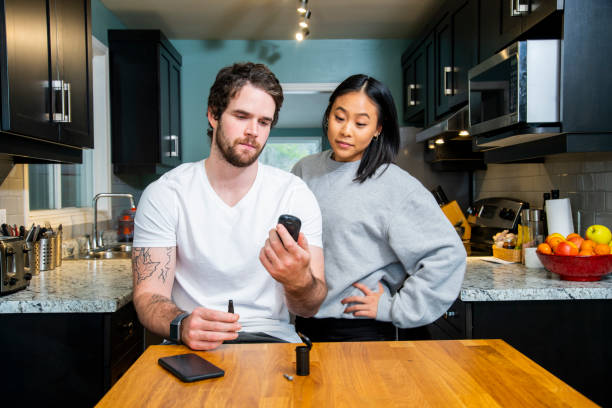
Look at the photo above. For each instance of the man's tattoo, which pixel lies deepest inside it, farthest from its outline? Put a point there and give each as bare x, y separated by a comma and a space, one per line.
145, 267
163, 274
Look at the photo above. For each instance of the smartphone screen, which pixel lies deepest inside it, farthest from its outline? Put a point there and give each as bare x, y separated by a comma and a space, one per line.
190, 367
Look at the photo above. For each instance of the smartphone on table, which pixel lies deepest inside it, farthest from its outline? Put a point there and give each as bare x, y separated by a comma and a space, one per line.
190, 367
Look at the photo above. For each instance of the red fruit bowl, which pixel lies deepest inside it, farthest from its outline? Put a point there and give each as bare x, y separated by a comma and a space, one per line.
578, 268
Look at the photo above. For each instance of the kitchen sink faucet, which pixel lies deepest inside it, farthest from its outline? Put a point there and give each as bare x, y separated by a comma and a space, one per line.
97, 240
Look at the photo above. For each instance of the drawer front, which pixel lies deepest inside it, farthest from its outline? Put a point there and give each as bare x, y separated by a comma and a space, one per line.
454, 320
125, 332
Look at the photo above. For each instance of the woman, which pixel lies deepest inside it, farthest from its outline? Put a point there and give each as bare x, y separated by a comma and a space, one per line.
392, 259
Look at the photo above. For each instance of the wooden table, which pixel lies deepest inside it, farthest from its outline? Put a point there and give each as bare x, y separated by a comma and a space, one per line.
487, 373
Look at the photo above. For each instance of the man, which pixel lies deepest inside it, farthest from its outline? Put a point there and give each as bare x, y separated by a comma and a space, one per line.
200, 228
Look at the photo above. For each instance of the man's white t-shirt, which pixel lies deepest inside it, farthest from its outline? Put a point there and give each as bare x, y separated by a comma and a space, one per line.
218, 246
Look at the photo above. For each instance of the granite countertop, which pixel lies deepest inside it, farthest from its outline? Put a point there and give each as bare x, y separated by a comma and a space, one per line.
104, 286
83, 286
485, 282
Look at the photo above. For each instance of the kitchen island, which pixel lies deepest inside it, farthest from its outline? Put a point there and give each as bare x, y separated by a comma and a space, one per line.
85, 306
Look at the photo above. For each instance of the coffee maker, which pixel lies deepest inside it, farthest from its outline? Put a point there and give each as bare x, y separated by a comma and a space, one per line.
13, 276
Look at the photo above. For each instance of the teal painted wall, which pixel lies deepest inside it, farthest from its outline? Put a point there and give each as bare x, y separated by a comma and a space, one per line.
102, 19
308, 61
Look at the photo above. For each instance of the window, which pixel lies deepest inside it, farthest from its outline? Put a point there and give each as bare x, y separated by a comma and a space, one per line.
284, 152
55, 186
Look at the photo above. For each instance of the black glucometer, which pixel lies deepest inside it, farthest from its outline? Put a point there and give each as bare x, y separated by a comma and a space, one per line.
292, 223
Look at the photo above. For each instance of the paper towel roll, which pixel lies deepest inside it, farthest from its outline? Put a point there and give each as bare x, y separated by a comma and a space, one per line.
559, 216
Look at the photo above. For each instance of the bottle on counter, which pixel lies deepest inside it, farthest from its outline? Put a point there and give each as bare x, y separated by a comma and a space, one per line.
125, 230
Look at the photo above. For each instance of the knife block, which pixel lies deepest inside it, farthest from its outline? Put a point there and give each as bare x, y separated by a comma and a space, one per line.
455, 216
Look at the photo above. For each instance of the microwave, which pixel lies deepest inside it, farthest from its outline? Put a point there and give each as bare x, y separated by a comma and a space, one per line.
514, 95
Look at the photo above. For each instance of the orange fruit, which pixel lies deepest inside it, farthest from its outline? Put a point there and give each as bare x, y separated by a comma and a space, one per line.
544, 248
554, 241
602, 249
586, 252
575, 239
573, 234
588, 244
566, 248
556, 234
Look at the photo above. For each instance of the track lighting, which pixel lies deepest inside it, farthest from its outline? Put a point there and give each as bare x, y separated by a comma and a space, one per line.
303, 33
305, 14
302, 8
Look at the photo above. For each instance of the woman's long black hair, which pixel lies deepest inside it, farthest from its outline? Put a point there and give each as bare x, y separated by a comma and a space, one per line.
384, 148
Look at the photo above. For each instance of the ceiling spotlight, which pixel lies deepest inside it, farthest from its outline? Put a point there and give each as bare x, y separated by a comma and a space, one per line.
302, 9
303, 33
439, 141
431, 145
304, 21
464, 133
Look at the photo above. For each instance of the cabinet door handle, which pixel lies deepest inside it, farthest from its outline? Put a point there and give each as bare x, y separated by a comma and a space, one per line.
450, 313
447, 91
174, 152
57, 86
68, 117
411, 102
519, 8
174, 139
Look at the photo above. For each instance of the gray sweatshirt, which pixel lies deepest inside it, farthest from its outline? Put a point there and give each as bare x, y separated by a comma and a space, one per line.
387, 229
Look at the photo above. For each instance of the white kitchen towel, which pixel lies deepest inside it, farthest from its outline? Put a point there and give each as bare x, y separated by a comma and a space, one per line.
559, 216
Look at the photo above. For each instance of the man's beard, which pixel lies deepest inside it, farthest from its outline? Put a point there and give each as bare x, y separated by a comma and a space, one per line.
230, 153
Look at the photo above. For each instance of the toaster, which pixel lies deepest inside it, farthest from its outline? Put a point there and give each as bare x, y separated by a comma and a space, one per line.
13, 276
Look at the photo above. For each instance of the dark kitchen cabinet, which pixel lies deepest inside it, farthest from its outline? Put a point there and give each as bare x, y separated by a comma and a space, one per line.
145, 75
45, 78
464, 23
415, 85
456, 52
569, 338
66, 359
443, 69
418, 77
502, 22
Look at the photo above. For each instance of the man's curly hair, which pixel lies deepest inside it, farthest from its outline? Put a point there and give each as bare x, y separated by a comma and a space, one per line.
231, 79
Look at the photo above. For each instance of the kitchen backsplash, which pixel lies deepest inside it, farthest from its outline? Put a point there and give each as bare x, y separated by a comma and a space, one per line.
584, 178
11, 191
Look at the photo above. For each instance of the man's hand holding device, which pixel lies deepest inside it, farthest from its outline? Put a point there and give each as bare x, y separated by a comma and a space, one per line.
286, 259
206, 329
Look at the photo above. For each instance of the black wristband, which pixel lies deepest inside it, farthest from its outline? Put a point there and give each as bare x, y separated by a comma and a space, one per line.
175, 328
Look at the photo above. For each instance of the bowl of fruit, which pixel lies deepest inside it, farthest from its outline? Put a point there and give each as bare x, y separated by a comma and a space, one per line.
577, 258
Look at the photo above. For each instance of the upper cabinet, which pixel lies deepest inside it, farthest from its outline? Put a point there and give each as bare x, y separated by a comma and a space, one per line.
145, 74
503, 21
463, 33
45, 78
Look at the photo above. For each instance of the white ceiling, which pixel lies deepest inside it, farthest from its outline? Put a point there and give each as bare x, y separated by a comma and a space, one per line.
275, 19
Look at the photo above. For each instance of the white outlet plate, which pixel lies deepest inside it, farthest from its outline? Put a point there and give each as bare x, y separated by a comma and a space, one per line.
3, 216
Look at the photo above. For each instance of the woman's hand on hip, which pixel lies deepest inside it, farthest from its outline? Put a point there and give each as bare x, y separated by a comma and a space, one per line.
364, 306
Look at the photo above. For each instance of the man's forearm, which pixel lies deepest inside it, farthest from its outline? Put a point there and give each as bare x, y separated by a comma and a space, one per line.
305, 300
156, 312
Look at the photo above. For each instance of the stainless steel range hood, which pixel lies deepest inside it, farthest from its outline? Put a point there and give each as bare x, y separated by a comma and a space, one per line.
450, 126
